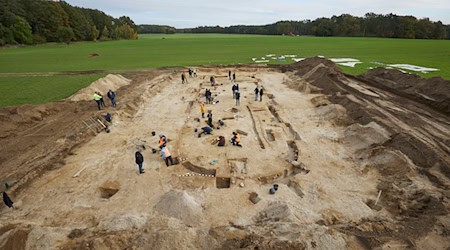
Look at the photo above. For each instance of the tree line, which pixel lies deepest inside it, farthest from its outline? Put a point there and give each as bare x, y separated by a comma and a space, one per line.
40, 21
159, 29
371, 25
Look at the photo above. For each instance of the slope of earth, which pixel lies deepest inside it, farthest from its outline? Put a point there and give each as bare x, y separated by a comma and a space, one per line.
328, 163
399, 134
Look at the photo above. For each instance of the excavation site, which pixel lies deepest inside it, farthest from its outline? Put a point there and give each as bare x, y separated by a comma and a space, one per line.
325, 160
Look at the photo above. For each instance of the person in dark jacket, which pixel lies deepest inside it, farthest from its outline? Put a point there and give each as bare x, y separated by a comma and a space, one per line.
234, 77
234, 89
229, 74
238, 97
139, 160
112, 96
256, 93
205, 130
210, 115
8, 202
208, 95
221, 141
261, 92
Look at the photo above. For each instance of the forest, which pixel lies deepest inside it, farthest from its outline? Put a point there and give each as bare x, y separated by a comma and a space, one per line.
40, 21
158, 29
371, 25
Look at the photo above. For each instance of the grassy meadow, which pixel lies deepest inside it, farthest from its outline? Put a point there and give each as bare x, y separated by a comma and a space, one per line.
153, 51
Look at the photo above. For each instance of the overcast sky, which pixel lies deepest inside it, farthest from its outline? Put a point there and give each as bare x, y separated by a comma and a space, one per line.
193, 13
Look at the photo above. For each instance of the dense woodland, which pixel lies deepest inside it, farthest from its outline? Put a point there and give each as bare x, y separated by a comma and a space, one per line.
371, 25
40, 21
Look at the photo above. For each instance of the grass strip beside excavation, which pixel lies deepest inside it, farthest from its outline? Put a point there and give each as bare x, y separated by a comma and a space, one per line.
41, 89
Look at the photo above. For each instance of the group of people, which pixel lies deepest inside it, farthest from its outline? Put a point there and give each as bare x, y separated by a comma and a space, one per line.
236, 93
191, 72
165, 154
259, 91
229, 76
235, 139
98, 98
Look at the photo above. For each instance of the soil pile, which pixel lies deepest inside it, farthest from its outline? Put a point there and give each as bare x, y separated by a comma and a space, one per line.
320, 72
102, 85
182, 206
434, 91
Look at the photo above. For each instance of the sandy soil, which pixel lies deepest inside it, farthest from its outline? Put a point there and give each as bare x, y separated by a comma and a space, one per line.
330, 141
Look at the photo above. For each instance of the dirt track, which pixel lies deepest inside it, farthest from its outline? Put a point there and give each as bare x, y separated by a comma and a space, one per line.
331, 141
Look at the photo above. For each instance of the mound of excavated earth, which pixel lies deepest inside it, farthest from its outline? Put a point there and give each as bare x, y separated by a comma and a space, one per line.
328, 161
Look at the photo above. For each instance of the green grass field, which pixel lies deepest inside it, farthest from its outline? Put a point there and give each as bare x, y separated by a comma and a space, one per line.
153, 51
41, 89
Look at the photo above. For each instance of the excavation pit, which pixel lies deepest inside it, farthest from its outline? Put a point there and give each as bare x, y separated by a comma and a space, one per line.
223, 182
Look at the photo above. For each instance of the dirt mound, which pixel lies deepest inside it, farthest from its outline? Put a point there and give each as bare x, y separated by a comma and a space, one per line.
123, 222
305, 66
434, 91
357, 136
182, 206
319, 72
333, 113
276, 211
102, 85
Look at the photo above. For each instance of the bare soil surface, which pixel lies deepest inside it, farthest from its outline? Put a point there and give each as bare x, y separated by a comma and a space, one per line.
360, 163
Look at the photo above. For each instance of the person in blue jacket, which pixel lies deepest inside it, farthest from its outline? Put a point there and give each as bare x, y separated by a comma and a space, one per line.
112, 97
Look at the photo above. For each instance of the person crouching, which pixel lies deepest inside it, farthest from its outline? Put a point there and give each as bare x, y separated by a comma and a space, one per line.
236, 139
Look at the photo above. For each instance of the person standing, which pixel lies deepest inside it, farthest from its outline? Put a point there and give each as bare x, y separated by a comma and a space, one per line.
229, 74
208, 96
183, 78
234, 76
210, 115
202, 109
256, 93
166, 156
8, 202
112, 96
102, 102
139, 161
212, 79
97, 99
261, 92
234, 89
190, 73
238, 97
